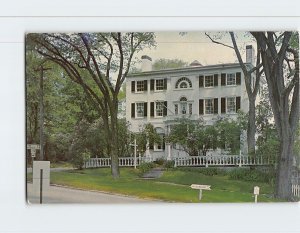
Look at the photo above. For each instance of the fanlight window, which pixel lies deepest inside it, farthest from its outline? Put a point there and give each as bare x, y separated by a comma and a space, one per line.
183, 83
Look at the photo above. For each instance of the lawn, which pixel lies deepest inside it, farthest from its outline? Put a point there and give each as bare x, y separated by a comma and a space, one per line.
173, 186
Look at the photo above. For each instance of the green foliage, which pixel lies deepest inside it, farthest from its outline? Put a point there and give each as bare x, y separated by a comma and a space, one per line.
145, 167
252, 175
162, 64
79, 158
169, 164
208, 171
194, 137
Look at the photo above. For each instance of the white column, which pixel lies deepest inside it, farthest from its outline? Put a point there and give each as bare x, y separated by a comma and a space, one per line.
169, 151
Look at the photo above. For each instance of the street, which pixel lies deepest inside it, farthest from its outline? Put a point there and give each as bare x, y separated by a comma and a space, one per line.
67, 195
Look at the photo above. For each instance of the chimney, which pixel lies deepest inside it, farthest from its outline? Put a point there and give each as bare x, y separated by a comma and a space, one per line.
250, 57
146, 63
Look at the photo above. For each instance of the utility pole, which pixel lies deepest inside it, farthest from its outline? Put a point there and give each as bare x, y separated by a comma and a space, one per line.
41, 104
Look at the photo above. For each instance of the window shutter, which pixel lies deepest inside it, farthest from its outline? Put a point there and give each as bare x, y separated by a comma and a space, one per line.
164, 142
145, 85
201, 107
152, 84
223, 79
238, 103
152, 109
201, 81
165, 84
216, 76
223, 105
132, 86
216, 106
145, 109
238, 78
165, 108
132, 110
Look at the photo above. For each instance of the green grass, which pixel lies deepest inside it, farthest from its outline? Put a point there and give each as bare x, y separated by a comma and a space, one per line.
172, 186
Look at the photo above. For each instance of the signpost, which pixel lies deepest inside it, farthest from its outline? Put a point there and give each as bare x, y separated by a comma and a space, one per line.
256, 193
33, 148
200, 187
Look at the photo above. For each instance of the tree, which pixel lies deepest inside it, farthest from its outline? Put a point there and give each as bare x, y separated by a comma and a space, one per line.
277, 52
90, 60
163, 63
252, 88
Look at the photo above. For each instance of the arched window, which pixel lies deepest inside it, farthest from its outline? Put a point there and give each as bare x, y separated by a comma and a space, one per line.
183, 83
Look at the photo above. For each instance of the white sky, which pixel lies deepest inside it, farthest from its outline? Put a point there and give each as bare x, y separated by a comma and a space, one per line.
195, 46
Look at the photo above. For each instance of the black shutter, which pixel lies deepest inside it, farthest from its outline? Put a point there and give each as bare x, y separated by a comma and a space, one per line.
133, 110
238, 103
132, 86
238, 78
223, 105
216, 76
165, 84
152, 84
216, 106
164, 142
145, 85
223, 79
152, 109
165, 108
151, 144
145, 109
201, 81
201, 107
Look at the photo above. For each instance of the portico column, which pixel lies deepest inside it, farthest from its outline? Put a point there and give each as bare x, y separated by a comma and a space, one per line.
169, 151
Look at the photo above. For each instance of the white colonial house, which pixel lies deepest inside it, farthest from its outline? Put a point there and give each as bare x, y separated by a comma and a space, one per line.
159, 97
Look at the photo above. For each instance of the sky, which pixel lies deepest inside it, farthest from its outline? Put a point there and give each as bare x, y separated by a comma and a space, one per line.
196, 46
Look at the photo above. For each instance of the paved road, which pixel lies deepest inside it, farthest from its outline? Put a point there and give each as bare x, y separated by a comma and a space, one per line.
66, 195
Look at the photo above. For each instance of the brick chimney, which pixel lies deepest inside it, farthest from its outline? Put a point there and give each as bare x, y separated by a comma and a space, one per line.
146, 63
250, 54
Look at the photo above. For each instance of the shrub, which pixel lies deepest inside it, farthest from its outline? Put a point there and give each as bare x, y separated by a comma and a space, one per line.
209, 171
145, 167
252, 175
160, 161
169, 164
78, 159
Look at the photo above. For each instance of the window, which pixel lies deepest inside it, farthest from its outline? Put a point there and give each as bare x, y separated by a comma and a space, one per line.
183, 83
139, 109
176, 109
209, 106
140, 86
159, 107
231, 105
231, 81
159, 84
209, 81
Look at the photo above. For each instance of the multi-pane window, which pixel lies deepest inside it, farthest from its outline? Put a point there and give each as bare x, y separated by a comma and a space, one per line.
183, 85
231, 80
209, 106
176, 109
231, 105
140, 86
140, 109
209, 81
159, 108
190, 109
159, 84
183, 105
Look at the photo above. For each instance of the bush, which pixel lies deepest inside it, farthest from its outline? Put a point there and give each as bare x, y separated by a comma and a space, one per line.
169, 164
209, 171
78, 159
145, 167
252, 175
160, 161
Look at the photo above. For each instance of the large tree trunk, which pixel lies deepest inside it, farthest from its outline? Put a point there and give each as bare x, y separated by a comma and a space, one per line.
285, 166
251, 127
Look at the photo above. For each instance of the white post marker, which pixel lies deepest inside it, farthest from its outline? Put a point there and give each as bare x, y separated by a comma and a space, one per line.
256, 193
41, 178
200, 187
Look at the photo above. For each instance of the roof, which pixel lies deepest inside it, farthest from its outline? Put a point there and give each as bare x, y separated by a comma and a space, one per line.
187, 69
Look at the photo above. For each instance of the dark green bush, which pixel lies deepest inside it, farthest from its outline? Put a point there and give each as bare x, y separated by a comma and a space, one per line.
145, 167
208, 171
252, 175
160, 161
169, 164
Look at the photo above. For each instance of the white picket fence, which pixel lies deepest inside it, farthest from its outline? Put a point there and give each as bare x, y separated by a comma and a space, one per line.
296, 190
192, 161
221, 160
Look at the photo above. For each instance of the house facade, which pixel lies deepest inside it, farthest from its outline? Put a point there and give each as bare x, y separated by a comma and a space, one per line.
194, 92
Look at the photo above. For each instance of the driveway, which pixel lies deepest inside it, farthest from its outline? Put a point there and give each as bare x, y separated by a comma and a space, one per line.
66, 195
